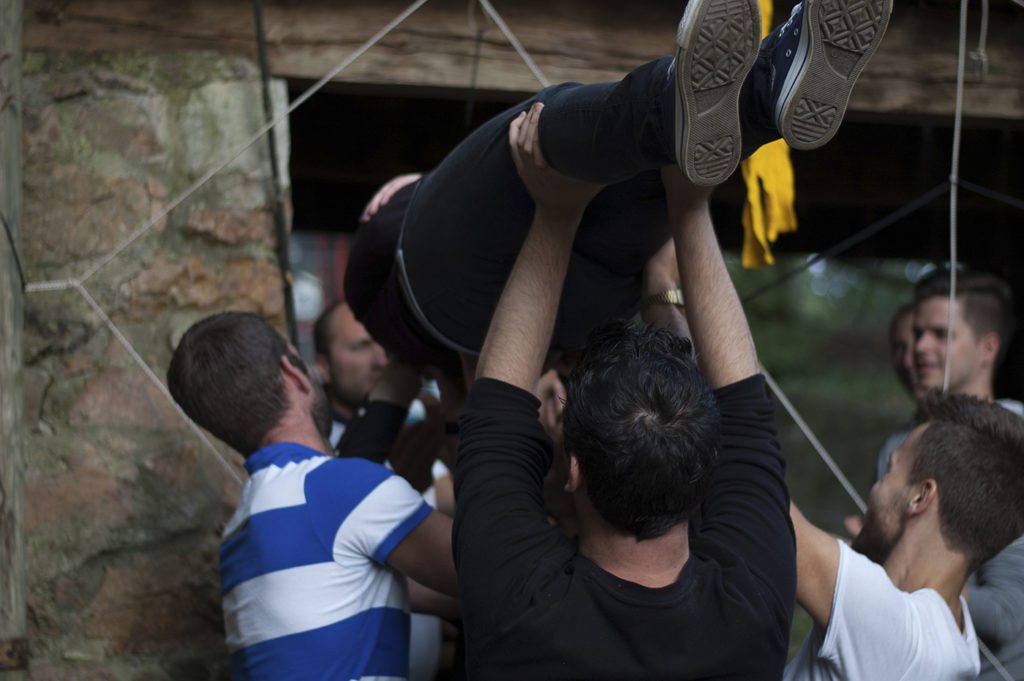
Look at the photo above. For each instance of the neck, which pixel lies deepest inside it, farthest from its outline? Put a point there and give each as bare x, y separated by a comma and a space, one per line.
342, 409
979, 386
299, 431
925, 561
652, 562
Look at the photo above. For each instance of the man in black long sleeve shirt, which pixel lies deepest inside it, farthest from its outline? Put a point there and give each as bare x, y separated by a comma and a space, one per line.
637, 597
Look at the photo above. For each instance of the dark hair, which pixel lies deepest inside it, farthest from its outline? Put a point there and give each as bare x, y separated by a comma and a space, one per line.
974, 451
903, 310
322, 329
988, 302
226, 375
643, 424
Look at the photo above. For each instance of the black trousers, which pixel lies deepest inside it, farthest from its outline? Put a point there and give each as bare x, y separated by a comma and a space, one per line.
458, 231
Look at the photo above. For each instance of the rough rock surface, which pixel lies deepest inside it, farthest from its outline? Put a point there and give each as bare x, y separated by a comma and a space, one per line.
124, 504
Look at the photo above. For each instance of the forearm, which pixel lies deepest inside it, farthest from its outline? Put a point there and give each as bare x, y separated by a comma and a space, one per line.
717, 323
817, 566
398, 385
662, 274
520, 331
373, 434
426, 601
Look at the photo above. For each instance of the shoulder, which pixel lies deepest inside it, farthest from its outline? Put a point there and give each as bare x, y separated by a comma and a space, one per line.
750, 390
1012, 405
339, 485
353, 472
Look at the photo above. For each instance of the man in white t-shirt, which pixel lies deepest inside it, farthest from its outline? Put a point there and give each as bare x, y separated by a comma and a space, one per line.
891, 607
982, 329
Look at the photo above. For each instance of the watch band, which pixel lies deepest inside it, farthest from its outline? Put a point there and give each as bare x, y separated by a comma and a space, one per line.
670, 297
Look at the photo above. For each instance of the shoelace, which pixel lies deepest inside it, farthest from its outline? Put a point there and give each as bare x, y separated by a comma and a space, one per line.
792, 15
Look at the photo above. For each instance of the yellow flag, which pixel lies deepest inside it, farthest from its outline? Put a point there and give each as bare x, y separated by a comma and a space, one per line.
768, 174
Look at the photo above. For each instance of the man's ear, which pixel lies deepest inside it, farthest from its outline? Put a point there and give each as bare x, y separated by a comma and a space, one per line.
574, 481
295, 375
924, 496
989, 345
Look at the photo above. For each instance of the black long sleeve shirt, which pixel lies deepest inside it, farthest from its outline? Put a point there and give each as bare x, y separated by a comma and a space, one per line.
534, 608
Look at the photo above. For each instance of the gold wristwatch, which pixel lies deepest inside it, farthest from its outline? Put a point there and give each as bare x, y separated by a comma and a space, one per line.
670, 297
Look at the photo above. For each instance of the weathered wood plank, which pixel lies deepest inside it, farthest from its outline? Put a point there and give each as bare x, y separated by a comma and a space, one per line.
12, 546
585, 40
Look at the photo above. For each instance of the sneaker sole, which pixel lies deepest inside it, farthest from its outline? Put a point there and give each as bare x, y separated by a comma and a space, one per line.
840, 38
717, 45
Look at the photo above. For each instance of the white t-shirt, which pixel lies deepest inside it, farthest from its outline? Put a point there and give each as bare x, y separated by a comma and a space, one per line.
879, 633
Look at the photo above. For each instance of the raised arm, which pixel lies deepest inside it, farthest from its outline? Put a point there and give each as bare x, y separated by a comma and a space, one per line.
504, 453
373, 434
747, 505
717, 323
520, 331
817, 567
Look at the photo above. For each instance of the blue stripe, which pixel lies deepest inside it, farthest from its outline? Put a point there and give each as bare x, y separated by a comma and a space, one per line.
400, 532
372, 643
279, 454
270, 541
334, 490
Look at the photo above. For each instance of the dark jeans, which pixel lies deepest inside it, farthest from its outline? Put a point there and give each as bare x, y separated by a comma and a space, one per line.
467, 219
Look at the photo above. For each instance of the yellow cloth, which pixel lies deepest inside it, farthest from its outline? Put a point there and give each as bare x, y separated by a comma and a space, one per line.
768, 174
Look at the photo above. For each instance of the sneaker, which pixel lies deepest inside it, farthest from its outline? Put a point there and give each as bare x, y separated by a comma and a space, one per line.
817, 55
717, 45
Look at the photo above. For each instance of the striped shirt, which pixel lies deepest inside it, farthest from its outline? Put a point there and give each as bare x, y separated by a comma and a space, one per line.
307, 591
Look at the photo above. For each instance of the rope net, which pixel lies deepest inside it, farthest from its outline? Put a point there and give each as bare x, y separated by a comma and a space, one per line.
78, 283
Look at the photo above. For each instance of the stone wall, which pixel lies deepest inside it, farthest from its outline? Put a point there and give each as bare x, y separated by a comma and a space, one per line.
123, 503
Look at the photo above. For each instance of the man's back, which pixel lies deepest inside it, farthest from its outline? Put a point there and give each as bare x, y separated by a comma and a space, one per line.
307, 591
535, 608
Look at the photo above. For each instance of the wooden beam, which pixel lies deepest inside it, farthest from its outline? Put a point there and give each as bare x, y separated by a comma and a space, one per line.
13, 647
913, 74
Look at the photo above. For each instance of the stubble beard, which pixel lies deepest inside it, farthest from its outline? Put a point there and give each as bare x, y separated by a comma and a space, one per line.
874, 541
320, 410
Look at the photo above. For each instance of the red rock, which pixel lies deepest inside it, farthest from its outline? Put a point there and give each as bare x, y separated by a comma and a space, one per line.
155, 605
123, 398
229, 226
87, 490
73, 214
238, 284
177, 468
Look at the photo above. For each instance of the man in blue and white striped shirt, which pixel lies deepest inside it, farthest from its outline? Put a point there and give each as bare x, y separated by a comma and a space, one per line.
312, 562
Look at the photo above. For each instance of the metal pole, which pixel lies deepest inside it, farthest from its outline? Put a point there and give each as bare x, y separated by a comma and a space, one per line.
280, 224
14, 647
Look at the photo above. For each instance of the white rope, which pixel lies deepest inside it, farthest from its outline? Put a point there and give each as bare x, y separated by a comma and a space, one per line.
493, 13
78, 283
996, 664
55, 285
151, 375
809, 434
954, 191
981, 51
301, 99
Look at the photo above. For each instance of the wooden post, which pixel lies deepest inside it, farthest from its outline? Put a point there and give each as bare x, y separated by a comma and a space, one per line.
13, 644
